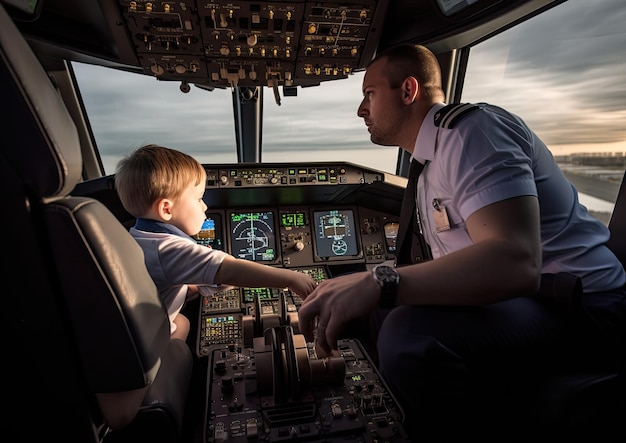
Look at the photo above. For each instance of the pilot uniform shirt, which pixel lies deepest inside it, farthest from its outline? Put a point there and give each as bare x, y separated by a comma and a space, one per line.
490, 155
174, 260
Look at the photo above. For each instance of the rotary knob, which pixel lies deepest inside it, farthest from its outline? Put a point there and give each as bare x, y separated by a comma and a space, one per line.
157, 69
370, 226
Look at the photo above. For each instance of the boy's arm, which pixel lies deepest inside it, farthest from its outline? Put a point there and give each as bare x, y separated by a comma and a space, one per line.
249, 274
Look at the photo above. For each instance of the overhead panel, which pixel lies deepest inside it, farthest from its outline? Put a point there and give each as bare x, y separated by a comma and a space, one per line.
251, 43
220, 44
167, 38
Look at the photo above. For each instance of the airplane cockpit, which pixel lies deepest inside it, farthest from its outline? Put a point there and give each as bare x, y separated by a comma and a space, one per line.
89, 356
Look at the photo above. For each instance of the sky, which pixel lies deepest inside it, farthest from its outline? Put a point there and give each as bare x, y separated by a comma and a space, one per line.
564, 72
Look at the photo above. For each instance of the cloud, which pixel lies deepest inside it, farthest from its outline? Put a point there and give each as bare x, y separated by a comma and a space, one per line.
562, 75
325, 116
127, 110
562, 71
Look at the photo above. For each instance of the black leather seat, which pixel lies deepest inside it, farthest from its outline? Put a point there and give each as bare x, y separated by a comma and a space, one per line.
584, 405
131, 376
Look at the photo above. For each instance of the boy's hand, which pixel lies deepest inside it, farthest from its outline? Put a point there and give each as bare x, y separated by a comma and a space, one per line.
302, 284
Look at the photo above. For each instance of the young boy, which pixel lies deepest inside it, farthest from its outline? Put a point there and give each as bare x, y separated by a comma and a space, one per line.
163, 188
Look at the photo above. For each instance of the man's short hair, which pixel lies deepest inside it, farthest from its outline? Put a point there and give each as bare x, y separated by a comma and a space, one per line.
412, 61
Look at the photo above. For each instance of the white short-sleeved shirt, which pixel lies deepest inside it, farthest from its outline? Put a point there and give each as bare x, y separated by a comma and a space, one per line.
491, 155
174, 262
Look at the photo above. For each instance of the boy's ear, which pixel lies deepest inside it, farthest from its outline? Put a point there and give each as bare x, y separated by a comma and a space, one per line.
164, 209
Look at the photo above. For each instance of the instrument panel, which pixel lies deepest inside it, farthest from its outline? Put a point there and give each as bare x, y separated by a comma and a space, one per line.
264, 382
300, 236
279, 390
238, 176
310, 239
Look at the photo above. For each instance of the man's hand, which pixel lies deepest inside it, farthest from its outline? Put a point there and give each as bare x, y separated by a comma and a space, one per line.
334, 303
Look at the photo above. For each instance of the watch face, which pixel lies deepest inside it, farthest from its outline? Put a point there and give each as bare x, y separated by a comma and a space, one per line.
388, 279
386, 274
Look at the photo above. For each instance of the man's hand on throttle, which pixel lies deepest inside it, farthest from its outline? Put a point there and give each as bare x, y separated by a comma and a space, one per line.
334, 303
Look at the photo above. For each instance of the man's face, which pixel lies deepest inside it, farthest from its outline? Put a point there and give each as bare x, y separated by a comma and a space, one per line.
382, 106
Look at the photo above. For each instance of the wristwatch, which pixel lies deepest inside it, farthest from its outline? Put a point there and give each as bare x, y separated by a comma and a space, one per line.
387, 278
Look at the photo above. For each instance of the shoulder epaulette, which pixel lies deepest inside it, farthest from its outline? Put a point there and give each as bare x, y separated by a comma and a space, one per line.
449, 115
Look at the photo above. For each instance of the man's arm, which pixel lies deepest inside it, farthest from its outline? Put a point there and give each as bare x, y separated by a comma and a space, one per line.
503, 262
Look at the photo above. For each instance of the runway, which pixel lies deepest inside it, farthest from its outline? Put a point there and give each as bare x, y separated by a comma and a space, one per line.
597, 193
596, 187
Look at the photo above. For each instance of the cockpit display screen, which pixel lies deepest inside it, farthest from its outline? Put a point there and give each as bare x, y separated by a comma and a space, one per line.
335, 234
211, 233
253, 235
293, 219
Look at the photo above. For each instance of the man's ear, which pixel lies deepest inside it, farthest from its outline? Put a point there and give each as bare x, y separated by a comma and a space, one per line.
410, 89
164, 209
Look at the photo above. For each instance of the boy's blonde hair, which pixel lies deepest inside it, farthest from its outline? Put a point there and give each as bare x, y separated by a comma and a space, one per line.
154, 172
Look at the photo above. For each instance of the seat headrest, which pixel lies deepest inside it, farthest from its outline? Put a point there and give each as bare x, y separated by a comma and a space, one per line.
40, 139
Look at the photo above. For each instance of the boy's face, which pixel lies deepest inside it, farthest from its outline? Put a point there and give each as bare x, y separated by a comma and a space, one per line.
188, 212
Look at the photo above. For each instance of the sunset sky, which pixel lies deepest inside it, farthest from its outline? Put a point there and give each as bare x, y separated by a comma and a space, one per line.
564, 72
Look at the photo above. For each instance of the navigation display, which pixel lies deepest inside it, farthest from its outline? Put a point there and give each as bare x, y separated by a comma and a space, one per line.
253, 235
335, 234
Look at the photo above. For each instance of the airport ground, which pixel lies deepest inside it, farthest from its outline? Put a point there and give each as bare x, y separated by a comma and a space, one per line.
599, 182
